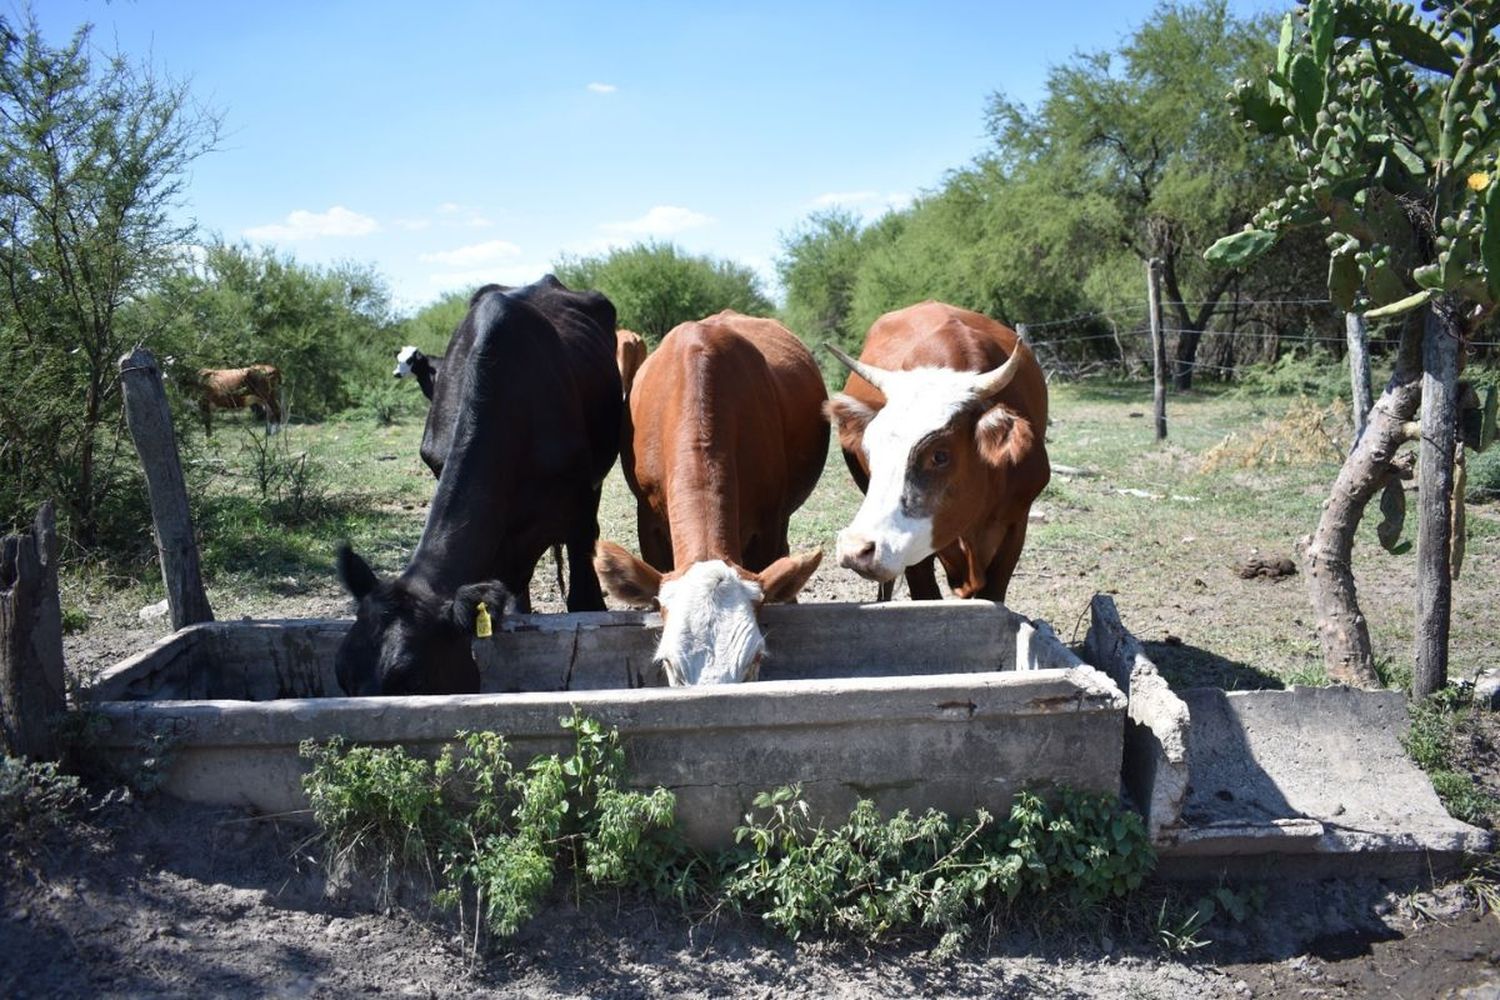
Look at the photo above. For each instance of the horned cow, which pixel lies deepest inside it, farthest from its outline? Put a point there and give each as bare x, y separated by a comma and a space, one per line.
943, 425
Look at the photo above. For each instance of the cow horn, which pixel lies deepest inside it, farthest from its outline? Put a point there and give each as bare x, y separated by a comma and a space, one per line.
871, 374
987, 384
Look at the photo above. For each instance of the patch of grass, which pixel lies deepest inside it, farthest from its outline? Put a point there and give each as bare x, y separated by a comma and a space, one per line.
1439, 724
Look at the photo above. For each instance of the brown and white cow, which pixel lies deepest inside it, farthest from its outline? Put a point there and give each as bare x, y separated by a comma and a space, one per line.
943, 425
630, 354
725, 438
236, 388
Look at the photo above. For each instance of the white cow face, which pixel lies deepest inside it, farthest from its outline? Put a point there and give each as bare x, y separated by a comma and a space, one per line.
929, 451
709, 634
403, 361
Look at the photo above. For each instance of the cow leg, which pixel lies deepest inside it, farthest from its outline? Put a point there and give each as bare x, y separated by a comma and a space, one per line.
584, 593
205, 411
921, 580
655, 537
885, 591
1003, 564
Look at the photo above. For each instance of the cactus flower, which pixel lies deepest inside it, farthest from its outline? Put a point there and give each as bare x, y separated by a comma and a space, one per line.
1479, 180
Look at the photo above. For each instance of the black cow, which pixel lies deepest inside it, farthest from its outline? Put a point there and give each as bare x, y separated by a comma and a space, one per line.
536, 431
447, 394
410, 361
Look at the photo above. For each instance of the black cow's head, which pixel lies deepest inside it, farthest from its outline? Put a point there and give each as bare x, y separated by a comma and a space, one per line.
407, 639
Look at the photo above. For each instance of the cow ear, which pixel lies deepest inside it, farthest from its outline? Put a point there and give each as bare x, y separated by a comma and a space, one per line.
626, 577
781, 581
355, 574
463, 610
849, 418
1002, 435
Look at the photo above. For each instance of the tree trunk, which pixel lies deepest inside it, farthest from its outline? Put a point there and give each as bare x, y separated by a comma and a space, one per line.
1187, 358
1326, 553
31, 658
1442, 342
1359, 370
151, 428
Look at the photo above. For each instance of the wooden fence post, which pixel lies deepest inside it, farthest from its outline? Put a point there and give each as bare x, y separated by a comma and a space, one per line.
1441, 344
1359, 372
31, 658
1158, 347
151, 428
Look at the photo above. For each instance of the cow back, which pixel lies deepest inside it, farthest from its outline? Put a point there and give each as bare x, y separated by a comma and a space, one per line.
725, 433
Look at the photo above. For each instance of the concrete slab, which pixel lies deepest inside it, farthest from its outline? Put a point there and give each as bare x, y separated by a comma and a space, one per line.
1307, 781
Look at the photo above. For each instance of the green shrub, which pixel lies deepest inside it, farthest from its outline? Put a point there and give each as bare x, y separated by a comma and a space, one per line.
34, 798
499, 835
1298, 372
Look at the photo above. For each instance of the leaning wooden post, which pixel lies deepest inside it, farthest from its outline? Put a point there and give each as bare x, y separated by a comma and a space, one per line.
1359, 371
1441, 344
31, 657
1158, 346
151, 428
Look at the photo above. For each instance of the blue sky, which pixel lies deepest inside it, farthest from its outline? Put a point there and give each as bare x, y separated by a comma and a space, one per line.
450, 144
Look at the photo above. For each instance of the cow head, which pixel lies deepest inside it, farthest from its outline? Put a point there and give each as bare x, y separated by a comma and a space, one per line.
406, 639
930, 451
709, 633
405, 359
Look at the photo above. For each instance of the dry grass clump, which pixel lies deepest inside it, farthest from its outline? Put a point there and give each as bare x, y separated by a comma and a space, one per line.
1306, 434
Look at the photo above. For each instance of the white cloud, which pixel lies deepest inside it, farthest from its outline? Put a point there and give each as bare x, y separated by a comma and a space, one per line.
603, 88
474, 255
305, 225
413, 224
844, 198
661, 220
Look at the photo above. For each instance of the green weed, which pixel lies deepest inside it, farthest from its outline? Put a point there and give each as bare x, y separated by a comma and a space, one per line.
1438, 724
35, 797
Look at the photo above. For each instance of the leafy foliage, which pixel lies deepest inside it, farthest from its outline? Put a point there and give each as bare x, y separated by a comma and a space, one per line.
329, 330
870, 877
655, 286
487, 827
1392, 119
34, 798
93, 158
498, 833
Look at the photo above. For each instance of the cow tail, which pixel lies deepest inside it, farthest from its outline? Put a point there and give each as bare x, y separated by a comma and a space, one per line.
557, 561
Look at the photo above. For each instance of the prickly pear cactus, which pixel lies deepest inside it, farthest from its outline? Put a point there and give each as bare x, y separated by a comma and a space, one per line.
1393, 115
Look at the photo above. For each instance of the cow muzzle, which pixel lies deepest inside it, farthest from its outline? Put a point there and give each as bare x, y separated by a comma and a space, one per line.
868, 557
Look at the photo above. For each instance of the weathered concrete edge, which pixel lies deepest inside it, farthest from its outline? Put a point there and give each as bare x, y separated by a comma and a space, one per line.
772, 704
1155, 765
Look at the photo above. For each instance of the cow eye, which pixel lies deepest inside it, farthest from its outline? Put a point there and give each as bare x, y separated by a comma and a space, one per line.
939, 458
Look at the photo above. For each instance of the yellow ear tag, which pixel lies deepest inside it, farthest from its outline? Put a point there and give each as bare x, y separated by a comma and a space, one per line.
482, 627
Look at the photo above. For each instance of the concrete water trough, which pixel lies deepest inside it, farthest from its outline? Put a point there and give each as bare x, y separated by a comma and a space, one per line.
955, 705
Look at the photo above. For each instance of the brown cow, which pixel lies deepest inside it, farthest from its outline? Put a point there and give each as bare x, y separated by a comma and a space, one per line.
725, 439
943, 425
630, 354
236, 388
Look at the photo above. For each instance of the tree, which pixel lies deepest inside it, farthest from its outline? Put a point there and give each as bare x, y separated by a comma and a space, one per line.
818, 266
1393, 120
92, 159
655, 286
329, 330
1138, 140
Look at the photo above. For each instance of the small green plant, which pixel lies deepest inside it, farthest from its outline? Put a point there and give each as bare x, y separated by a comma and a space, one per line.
291, 485
34, 797
870, 877
74, 620
1179, 930
486, 830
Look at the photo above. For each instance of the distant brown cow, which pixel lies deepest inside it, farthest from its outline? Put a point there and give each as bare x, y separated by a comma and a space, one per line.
630, 351
725, 439
236, 388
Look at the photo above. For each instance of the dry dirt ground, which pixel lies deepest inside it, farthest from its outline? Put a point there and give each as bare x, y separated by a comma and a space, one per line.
164, 899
